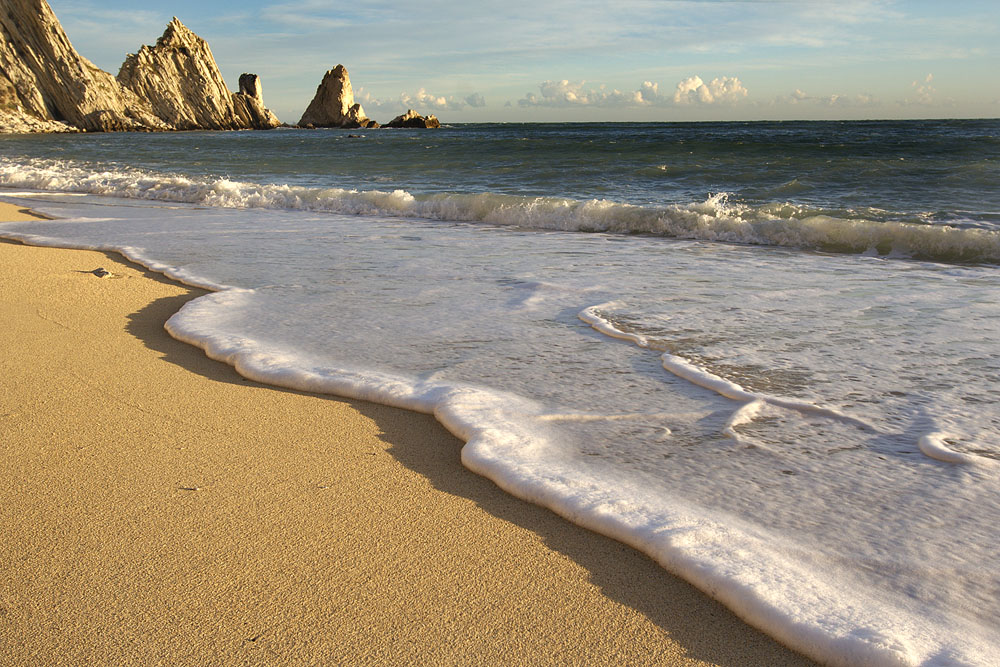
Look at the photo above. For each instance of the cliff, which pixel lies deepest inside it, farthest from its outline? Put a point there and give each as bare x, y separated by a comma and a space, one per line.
52, 82
180, 80
45, 85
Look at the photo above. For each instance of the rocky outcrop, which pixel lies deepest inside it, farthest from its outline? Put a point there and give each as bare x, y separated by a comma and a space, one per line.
52, 82
179, 78
249, 104
13, 118
334, 105
412, 119
45, 85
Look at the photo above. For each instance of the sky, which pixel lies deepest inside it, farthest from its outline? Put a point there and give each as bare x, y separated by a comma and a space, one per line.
587, 60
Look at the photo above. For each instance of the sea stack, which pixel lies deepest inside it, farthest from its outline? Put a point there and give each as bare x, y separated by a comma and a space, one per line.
249, 104
412, 119
334, 105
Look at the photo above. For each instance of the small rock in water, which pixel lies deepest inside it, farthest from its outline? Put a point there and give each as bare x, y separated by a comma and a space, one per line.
412, 119
101, 272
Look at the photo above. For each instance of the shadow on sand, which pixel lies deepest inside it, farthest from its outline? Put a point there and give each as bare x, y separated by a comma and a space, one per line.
704, 627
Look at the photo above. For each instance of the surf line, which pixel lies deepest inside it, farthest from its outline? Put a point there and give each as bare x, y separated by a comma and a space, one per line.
753, 402
931, 445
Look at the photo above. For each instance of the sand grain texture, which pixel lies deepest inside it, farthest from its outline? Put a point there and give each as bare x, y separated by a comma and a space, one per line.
158, 508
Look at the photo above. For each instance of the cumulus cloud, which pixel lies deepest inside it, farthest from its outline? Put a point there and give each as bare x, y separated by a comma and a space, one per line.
421, 100
798, 96
475, 100
923, 91
424, 99
721, 90
566, 93
924, 94
859, 100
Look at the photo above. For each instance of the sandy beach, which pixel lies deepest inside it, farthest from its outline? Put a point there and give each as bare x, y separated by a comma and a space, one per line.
159, 508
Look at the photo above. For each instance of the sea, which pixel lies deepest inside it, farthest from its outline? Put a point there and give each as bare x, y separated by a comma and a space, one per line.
765, 354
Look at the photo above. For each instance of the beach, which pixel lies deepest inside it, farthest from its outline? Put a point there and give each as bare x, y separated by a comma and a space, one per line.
158, 507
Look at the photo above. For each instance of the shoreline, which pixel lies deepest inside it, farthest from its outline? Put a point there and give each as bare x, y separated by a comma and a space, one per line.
161, 507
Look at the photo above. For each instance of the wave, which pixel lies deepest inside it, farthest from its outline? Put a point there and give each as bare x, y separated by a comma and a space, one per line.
714, 219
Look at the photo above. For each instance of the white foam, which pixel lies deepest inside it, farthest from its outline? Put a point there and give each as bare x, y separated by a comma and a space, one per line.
683, 368
713, 219
506, 441
791, 589
934, 446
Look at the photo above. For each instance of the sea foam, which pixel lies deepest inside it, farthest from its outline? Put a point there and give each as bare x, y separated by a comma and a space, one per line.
714, 219
805, 590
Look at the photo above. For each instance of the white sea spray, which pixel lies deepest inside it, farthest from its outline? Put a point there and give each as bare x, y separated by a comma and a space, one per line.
713, 219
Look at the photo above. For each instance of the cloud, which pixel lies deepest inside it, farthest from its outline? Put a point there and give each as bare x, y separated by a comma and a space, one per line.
311, 16
424, 99
722, 90
924, 91
859, 100
924, 94
421, 100
475, 100
798, 96
105, 35
566, 93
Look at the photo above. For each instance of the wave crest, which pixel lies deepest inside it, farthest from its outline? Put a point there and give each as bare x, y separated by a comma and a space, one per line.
714, 219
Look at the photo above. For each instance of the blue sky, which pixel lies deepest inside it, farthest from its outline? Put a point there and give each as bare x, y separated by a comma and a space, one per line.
587, 60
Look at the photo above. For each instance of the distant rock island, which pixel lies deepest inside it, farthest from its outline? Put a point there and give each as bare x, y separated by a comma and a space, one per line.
46, 86
334, 106
412, 119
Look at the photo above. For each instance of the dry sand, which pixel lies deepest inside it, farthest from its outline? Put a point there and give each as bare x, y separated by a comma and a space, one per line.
155, 507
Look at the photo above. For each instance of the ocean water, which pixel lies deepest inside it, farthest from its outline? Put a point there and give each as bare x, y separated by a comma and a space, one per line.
766, 354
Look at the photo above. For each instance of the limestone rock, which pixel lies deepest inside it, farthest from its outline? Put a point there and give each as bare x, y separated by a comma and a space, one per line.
46, 86
18, 122
14, 119
179, 78
412, 119
334, 105
250, 85
52, 82
249, 104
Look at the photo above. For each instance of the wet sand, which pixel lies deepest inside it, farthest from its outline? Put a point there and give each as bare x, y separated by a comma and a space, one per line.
157, 507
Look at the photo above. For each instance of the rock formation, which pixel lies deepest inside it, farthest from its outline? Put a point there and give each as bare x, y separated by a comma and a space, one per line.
333, 104
45, 85
249, 104
183, 84
52, 82
412, 119
13, 117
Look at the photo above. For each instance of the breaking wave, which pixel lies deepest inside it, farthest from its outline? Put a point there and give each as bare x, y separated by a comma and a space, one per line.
714, 219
